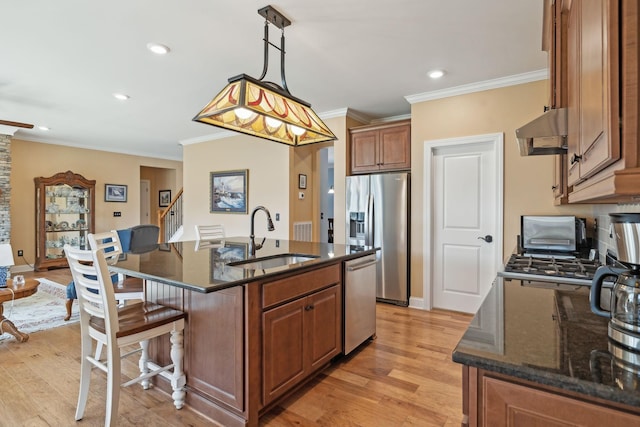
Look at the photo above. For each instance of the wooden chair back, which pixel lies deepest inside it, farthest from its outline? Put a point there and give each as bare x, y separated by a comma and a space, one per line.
210, 232
109, 242
96, 297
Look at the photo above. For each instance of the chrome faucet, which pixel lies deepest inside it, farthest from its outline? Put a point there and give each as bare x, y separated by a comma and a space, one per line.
253, 247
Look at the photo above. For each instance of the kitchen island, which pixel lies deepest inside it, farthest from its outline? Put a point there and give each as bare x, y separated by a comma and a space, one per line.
535, 354
255, 330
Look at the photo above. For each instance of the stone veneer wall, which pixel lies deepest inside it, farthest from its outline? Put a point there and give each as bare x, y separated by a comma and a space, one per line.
5, 188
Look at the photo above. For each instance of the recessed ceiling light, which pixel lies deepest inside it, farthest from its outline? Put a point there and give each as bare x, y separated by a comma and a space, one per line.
157, 48
44, 128
436, 74
121, 96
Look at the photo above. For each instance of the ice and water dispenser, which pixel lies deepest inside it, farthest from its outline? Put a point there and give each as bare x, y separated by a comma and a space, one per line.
356, 225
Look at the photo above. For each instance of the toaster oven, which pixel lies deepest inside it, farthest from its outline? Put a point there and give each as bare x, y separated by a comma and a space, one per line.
552, 234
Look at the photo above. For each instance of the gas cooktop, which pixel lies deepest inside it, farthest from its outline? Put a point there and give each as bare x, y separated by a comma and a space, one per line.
576, 271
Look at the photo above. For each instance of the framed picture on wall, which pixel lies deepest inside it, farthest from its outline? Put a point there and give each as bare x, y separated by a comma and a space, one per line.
115, 193
302, 181
229, 191
164, 198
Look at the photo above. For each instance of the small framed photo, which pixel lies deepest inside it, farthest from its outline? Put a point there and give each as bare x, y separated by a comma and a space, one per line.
229, 190
164, 198
302, 181
115, 193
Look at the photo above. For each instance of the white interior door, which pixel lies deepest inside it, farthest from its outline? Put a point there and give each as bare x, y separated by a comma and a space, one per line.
145, 202
466, 220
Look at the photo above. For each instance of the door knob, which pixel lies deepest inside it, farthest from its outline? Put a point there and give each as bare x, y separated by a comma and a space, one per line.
488, 238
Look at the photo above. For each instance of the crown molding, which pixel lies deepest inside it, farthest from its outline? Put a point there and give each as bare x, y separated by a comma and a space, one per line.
391, 119
8, 130
209, 137
479, 86
345, 112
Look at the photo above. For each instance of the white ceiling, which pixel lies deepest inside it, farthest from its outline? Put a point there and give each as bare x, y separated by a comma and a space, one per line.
62, 60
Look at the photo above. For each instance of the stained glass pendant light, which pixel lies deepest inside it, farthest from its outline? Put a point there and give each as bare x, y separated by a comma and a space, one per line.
266, 109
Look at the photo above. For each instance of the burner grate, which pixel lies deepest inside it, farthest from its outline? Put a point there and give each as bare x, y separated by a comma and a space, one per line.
553, 267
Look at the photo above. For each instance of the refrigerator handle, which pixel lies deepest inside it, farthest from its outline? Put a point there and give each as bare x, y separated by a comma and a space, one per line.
370, 238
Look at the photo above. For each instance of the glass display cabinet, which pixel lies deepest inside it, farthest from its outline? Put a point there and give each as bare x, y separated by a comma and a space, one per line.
65, 205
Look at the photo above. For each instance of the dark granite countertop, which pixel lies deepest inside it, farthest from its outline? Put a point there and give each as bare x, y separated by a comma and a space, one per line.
206, 269
546, 333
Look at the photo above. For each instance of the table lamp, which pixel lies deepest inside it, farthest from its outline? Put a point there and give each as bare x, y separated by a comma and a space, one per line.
6, 260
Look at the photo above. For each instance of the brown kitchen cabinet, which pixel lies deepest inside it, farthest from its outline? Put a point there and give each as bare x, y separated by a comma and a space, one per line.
593, 79
216, 369
495, 400
65, 204
247, 346
554, 41
299, 338
302, 331
383, 147
593, 59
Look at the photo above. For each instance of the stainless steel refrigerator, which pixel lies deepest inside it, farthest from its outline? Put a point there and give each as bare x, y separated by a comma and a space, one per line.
378, 209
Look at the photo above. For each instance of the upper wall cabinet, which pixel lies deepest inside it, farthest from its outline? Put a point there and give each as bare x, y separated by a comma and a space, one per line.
593, 78
381, 148
601, 53
554, 42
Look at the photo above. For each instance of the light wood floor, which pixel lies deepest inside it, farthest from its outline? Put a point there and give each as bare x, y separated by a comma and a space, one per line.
403, 378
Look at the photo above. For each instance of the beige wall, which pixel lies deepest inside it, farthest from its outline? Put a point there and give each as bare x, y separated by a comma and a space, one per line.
268, 182
32, 159
160, 179
306, 160
527, 180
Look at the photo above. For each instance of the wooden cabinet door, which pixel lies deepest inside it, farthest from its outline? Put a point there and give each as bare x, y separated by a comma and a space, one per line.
300, 337
323, 321
507, 404
599, 118
592, 77
283, 353
364, 152
573, 94
395, 148
560, 179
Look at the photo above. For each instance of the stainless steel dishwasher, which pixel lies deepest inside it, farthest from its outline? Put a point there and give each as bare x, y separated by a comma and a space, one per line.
359, 301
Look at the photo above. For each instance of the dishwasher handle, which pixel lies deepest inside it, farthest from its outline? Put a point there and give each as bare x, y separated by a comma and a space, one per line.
361, 265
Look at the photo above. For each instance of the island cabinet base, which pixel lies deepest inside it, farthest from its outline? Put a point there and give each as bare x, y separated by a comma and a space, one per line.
495, 400
247, 347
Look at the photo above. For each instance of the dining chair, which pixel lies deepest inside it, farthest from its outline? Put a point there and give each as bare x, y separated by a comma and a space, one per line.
116, 328
125, 287
208, 236
144, 238
210, 232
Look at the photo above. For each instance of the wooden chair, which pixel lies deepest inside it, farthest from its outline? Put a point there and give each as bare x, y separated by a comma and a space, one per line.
102, 321
125, 288
209, 236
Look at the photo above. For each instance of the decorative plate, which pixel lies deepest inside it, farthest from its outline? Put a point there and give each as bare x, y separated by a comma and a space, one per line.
63, 225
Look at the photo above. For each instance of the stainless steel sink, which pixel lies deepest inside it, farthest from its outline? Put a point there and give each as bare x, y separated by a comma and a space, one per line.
273, 261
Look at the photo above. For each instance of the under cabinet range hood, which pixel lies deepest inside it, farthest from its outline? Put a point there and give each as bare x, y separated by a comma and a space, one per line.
544, 135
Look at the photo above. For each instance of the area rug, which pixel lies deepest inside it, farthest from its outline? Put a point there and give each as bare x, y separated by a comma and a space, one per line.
43, 310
